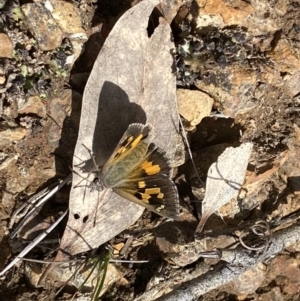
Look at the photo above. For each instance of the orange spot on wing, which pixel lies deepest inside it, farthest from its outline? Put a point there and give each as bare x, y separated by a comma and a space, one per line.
150, 169
152, 190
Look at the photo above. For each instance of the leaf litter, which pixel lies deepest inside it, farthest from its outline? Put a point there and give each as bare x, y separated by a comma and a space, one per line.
258, 130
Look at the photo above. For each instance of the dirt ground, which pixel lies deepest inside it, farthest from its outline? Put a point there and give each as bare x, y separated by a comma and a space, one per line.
242, 55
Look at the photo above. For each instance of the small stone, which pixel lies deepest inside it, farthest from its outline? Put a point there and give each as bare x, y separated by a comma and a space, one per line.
33, 105
194, 105
283, 55
286, 267
291, 86
119, 246
2, 80
42, 26
6, 48
218, 13
61, 108
273, 295
6, 160
68, 19
66, 16
9, 136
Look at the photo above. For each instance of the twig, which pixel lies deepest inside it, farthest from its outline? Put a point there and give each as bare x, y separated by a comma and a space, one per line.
34, 243
235, 262
40, 203
22, 211
190, 152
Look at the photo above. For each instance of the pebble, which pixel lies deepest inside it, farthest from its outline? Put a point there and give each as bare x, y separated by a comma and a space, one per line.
6, 48
42, 26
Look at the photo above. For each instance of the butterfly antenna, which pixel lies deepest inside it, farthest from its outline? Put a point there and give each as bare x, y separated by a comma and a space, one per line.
189, 150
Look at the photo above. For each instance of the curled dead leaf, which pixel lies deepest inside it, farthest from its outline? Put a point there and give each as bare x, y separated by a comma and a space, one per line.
224, 180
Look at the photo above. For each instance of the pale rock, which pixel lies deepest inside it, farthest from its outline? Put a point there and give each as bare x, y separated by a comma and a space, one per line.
170, 9
283, 55
194, 105
219, 13
8, 136
68, 19
6, 48
291, 86
42, 26
66, 16
286, 268
33, 105
2, 79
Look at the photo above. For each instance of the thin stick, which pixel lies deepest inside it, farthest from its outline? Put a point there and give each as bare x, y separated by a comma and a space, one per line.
40, 203
189, 150
34, 243
234, 263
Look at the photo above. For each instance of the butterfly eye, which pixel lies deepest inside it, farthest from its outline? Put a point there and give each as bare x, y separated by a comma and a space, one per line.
96, 181
97, 184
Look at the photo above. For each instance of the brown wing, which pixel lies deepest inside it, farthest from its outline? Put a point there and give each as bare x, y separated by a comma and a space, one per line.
131, 138
157, 193
149, 185
156, 162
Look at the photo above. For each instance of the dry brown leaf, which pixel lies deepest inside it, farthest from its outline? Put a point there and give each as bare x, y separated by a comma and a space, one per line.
225, 179
132, 81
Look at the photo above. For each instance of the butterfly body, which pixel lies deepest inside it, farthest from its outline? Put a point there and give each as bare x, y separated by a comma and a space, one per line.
139, 171
115, 175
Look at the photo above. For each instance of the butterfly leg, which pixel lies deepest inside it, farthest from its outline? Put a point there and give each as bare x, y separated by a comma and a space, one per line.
92, 157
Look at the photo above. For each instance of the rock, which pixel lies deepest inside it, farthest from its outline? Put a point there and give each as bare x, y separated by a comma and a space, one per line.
257, 184
33, 105
283, 55
291, 86
6, 160
64, 127
2, 79
42, 26
8, 136
286, 272
217, 12
66, 16
69, 21
232, 87
169, 9
60, 107
274, 295
220, 14
250, 281
194, 105
6, 48
180, 154
118, 246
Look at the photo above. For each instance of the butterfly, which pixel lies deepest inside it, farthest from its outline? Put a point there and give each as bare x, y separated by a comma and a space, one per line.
139, 171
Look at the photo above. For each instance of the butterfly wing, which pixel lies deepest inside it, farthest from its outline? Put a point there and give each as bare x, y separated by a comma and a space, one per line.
156, 162
149, 185
131, 138
157, 193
